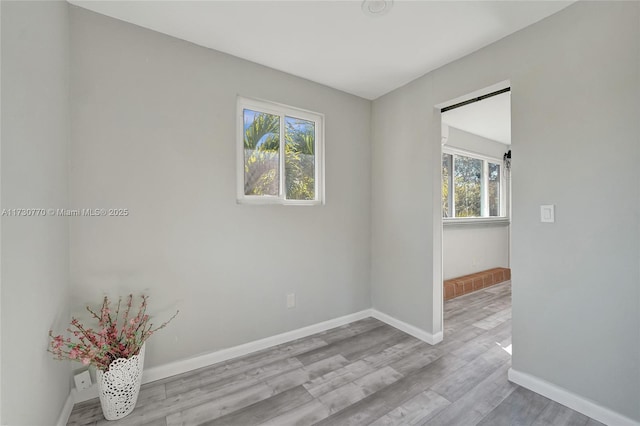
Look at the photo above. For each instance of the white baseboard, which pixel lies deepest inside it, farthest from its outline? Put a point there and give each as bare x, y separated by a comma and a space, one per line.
63, 418
178, 367
570, 399
183, 366
416, 332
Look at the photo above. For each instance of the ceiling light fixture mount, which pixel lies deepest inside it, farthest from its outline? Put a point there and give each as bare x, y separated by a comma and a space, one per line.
376, 7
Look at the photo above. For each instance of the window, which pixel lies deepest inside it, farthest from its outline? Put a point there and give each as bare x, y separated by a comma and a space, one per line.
472, 186
279, 154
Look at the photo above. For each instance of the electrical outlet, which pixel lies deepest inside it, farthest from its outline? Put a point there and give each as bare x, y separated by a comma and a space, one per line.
291, 300
82, 380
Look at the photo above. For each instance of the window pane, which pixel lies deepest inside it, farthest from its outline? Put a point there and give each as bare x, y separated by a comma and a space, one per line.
261, 153
494, 189
300, 149
468, 172
446, 182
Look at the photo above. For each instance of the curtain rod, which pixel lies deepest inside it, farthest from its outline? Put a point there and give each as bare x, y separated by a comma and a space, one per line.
479, 98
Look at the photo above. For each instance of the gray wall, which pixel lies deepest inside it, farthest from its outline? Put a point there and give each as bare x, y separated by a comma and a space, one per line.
35, 261
153, 130
576, 283
402, 203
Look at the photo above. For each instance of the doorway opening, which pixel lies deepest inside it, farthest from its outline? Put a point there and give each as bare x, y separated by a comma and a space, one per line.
476, 215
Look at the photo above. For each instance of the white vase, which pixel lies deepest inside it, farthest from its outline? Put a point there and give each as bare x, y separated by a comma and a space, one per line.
119, 386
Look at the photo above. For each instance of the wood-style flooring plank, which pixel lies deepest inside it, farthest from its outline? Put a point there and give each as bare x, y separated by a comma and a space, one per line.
351, 345
478, 402
556, 414
418, 358
305, 373
494, 319
244, 388
306, 414
353, 371
378, 404
521, 407
90, 412
211, 409
415, 411
461, 381
354, 391
249, 366
471, 349
349, 330
383, 343
266, 409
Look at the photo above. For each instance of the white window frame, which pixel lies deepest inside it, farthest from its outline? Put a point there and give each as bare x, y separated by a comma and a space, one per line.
282, 111
504, 198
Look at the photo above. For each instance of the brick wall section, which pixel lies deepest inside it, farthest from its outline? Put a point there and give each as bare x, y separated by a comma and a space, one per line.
466, 284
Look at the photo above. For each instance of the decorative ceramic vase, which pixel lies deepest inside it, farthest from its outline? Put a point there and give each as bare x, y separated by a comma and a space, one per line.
119, 386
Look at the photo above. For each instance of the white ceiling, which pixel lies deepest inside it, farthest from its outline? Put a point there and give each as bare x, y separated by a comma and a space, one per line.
489, 118
333, 42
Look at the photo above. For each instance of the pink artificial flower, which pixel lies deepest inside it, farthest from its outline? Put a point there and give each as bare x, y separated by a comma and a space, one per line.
86, 361
73, 354
57, 342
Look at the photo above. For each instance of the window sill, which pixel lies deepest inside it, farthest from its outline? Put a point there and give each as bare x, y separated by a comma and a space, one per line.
476, 221
275, 201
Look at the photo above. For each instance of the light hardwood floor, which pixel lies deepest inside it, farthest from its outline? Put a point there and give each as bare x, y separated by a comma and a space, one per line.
360, 374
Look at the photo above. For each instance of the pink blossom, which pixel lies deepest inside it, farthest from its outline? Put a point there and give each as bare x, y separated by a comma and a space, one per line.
57, 342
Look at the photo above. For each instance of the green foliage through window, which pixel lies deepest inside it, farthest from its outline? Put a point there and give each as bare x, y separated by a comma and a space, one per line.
299, 159
262, 152
471, 187
467, 179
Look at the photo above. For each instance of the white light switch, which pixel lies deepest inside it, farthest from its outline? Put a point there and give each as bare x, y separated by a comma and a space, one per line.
547, 213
